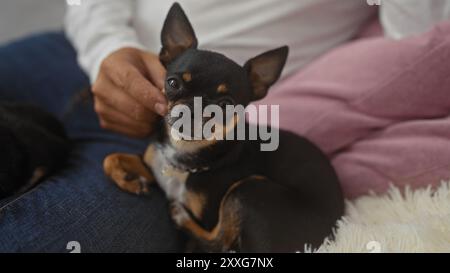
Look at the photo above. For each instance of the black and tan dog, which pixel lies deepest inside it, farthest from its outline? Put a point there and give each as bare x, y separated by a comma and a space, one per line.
229, 195
33, 144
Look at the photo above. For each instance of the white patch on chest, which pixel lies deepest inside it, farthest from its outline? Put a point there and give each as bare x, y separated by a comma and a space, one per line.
171, 180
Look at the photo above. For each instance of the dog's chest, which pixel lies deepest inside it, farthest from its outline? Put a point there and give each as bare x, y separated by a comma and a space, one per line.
171, 180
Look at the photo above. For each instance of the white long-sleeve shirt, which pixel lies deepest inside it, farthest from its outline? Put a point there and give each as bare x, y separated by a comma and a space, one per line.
402, 18
239, 29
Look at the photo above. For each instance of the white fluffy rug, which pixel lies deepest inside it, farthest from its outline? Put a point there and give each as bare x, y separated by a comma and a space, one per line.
400, 221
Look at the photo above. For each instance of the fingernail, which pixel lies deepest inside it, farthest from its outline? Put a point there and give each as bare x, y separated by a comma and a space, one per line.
161, 108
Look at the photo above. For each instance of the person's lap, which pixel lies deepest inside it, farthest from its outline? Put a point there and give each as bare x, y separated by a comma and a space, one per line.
77, 203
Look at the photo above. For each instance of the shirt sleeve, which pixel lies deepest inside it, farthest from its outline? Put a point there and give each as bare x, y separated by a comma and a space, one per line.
401, 18
97, 28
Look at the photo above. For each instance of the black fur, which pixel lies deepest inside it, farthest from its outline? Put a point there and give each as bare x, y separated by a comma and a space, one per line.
31, 139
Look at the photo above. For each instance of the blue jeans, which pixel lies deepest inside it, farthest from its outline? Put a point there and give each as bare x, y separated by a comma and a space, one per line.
78, 203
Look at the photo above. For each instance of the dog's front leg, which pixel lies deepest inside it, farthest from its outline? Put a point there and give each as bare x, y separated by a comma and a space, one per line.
128, 172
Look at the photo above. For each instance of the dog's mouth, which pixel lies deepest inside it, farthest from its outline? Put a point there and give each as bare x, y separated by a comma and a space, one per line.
192, 128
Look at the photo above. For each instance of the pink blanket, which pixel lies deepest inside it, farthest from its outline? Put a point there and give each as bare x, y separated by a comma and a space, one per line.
379, 108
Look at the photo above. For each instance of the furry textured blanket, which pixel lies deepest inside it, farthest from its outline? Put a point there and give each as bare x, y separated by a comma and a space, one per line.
399, 221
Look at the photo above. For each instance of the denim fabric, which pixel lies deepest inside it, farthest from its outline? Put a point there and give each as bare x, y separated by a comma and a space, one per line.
78, 203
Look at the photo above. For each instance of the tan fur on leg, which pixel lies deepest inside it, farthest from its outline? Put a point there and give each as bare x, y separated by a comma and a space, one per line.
224, 234
128, 172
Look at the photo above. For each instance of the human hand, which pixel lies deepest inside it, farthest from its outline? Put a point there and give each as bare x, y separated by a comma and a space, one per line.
127, 92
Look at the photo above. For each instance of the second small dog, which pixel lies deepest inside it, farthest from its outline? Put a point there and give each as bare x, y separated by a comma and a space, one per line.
33, 144
229, 195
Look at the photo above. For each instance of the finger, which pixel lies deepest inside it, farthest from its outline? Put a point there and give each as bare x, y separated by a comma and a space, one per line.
156, 71
121, 101
118, 118
136, 85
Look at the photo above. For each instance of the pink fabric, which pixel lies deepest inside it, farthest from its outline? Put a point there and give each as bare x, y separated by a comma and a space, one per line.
372, 29
379, 108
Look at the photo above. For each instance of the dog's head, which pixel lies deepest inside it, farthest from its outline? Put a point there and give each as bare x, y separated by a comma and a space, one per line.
212, 76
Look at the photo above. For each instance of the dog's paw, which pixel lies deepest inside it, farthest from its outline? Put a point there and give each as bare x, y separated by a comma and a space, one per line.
128, 173
138, 185
179, 214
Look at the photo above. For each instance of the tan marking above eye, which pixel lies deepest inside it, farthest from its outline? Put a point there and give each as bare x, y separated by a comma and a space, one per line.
222, 88
187, 77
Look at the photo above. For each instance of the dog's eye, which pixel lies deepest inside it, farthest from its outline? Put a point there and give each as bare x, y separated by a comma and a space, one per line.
173, 83
224, 102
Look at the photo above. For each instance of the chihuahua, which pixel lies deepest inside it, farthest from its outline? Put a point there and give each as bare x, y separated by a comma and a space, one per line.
34, 143
228, 194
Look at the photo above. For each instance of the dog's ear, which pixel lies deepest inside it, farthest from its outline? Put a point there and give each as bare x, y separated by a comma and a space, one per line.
177, 35
265, 69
